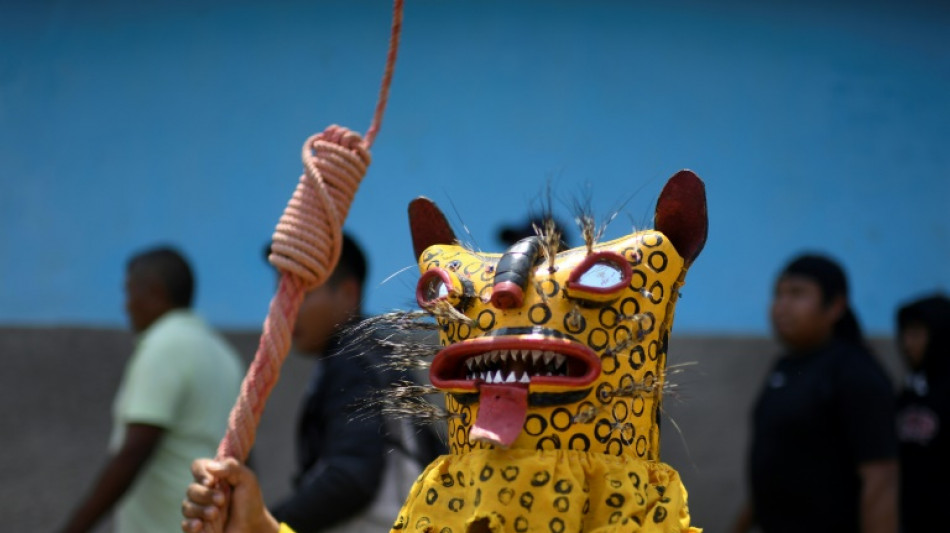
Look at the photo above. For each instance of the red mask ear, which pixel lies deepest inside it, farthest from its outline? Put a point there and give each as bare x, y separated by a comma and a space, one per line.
428, 225
681, 214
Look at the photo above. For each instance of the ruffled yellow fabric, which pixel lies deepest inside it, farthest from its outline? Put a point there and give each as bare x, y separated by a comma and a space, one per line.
552, 491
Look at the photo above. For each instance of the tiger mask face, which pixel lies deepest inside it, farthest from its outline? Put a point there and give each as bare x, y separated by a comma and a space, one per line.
550, 349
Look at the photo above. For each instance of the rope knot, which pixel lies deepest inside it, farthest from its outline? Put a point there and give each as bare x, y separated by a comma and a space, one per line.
344, 137
309, 235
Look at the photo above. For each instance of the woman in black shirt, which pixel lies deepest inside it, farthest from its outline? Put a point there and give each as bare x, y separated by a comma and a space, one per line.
923, 412
823, 451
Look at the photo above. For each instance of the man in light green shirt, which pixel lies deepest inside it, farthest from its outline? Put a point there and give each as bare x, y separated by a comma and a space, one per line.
171, 407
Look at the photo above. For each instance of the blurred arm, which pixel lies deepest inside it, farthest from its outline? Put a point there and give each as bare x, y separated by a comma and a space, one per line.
879, 481
745, 519
116, 476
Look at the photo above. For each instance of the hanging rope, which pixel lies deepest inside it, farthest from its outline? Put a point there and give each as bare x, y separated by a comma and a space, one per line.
306, 247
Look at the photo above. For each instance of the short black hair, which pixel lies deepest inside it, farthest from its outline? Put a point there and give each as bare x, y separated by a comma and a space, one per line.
352, 263
932, 312
169, 267
833, 283
512, 233
824, 271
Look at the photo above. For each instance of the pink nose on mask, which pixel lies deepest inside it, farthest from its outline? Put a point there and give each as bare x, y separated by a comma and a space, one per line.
507, 295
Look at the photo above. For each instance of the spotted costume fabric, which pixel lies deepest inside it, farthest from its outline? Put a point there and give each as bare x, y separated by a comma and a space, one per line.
552, 364
556, 491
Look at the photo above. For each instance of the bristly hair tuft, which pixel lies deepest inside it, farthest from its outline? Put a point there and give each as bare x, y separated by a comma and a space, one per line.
584, 217
442, 309
550, 240
386, 323
586, 222
405, 336
403, 400
409, 342
547, 231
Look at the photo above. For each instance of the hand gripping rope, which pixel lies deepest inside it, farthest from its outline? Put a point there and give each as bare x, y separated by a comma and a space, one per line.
306, 247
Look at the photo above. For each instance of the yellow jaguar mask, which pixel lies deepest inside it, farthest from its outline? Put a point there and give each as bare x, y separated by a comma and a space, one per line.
552, 364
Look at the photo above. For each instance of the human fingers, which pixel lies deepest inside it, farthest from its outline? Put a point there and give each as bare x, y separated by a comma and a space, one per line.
204, 503
201, 473
193, 525
209, 472
206, 496
229, 470
201, 519
191, 509
190, 525
245, 509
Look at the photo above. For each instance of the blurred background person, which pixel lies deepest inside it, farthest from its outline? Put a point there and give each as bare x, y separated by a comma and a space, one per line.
354, 470
823, 456
172, 404
923, 411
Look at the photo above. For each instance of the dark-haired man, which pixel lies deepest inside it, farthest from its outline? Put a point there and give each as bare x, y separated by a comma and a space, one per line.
172, 404
353, 471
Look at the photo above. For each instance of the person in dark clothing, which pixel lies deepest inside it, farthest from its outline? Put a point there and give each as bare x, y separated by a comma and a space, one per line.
923, 411
355, 466
823, 451
343, 482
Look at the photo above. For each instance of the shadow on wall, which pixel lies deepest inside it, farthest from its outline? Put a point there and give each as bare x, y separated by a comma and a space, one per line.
57, 385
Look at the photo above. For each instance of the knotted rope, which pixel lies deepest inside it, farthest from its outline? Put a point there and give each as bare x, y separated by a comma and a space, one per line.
306, 247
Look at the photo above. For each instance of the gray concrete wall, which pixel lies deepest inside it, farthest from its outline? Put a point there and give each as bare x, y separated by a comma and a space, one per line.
56, 388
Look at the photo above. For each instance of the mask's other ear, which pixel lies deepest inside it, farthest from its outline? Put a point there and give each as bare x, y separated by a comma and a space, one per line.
428, 225
681, 214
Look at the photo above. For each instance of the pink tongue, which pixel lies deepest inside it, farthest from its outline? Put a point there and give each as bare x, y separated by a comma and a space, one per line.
501, 413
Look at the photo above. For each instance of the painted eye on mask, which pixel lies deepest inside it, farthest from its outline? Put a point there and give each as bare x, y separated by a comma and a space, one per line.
599, 278
438, 284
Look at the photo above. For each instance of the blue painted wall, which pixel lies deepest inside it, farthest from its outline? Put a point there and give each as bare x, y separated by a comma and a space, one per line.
815, 125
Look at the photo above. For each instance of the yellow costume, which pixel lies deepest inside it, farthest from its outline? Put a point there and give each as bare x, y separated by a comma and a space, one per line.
553, 368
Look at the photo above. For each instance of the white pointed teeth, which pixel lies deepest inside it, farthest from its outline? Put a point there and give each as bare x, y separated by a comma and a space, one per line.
514, 366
